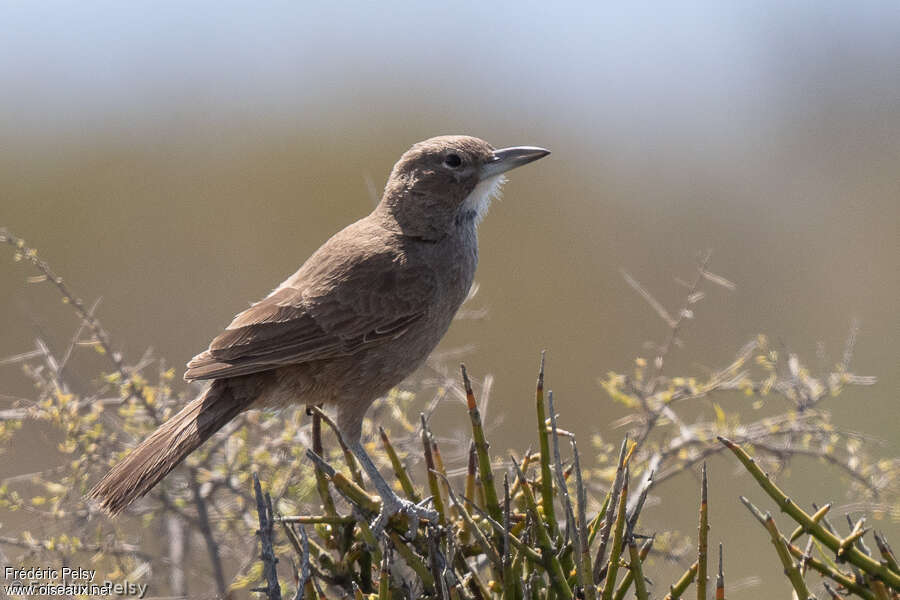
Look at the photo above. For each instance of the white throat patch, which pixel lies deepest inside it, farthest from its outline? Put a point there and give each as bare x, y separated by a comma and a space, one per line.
479, 199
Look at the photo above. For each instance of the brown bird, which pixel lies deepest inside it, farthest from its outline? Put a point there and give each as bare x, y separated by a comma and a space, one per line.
362, 313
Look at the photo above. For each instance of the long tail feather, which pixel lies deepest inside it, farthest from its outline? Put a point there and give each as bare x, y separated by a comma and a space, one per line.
165, 448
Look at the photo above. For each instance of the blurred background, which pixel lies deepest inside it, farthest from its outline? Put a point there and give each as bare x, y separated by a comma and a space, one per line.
180, 161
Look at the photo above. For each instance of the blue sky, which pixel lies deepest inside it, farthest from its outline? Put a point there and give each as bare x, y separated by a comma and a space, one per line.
68, 63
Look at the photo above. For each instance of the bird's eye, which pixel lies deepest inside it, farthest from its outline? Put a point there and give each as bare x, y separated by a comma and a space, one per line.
452, 160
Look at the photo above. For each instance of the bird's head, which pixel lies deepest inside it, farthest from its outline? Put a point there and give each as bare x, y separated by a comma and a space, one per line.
448, 181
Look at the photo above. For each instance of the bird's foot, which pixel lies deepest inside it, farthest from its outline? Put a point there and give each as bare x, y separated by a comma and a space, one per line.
393, 505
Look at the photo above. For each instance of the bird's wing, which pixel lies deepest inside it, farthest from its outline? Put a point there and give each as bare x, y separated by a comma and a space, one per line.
311, 317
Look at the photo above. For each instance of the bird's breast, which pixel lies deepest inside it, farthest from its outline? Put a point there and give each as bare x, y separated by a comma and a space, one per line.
453, 263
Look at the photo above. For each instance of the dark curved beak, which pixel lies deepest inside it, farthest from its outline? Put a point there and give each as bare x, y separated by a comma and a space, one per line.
510, 158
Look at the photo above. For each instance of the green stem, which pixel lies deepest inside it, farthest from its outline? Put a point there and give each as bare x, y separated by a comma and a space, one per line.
384, 580
827, 571
321, 481
629, 576
616, 548
399, 469
676, 590
412, 560
703, 537
436, 496
612, 500
791, 569
640, 586
852, 554
546, 477
481, 448
551, 562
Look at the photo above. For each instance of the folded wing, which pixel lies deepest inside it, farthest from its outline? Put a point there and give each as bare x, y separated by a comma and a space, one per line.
319, 315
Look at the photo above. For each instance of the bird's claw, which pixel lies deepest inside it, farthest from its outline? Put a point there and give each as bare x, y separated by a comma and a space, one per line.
414, 512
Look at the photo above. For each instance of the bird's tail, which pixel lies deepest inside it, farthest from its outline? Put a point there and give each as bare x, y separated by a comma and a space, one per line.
166, 447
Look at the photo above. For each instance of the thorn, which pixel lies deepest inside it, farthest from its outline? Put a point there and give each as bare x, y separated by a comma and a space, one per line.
540, 381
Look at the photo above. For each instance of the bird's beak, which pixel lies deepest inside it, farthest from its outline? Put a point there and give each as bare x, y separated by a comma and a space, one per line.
510, 158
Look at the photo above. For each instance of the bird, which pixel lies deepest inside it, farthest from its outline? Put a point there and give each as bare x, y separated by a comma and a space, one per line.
360, 315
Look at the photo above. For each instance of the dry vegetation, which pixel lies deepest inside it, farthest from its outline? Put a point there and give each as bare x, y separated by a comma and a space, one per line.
553, 523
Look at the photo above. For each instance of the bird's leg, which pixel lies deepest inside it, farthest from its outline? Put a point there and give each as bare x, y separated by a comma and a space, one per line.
391, 503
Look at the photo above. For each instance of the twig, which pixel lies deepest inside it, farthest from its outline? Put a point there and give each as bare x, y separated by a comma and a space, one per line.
562, 488
177, 545
265, 533
85, 314
212, 547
